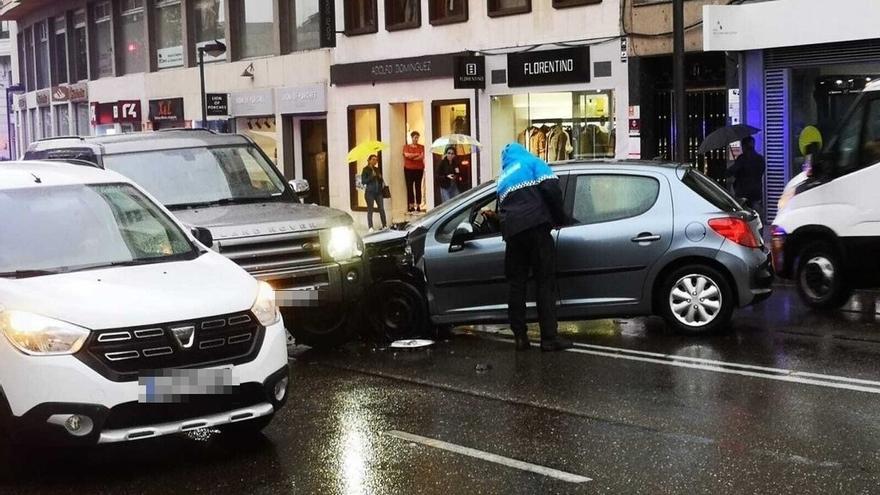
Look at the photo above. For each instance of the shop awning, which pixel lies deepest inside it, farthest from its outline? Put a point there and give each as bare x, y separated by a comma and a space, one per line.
755, 26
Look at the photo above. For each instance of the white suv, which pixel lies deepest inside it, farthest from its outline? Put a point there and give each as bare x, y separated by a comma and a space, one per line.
117, 324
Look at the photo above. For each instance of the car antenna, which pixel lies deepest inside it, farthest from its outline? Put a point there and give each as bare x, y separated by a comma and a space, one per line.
37, 179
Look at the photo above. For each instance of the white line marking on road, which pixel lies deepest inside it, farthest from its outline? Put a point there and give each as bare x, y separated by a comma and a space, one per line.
486, 456
778, 374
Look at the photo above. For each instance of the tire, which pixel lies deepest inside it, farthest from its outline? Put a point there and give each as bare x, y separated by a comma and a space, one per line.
396, 309
321, 328
707, 311
821, 283
249, 428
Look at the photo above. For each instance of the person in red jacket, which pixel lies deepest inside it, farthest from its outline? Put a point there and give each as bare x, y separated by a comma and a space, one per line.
414, 170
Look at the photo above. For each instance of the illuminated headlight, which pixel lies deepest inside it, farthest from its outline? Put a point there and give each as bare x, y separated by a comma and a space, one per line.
343, 244
264, 307
41, 336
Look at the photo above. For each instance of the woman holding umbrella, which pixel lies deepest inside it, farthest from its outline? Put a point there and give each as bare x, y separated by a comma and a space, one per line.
371, 178
448, 174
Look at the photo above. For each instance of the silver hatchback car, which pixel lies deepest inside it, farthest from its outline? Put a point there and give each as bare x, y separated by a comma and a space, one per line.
648, 238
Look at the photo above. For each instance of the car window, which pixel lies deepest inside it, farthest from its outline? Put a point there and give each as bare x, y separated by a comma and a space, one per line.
481, 215
710, 191
871, 143
605, 198
848, 144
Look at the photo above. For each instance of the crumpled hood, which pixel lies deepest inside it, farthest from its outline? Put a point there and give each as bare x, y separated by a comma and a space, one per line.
135, 295
262, 218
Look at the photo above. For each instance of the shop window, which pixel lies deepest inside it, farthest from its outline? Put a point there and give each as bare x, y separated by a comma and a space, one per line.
169, 36
452, 117
555, 126
402, 14
303, 25
255, 21
447, 11
46, 120
59, 67
41, 38
103, 30
83, 126
363, 125
360, 17
498, 8
81, 48
209, 24
561, 4
134, 56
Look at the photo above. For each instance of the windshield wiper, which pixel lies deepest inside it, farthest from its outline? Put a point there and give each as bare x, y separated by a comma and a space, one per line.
202, 204
28, 273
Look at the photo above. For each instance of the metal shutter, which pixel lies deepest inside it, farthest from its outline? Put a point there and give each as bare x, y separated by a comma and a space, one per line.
776, 143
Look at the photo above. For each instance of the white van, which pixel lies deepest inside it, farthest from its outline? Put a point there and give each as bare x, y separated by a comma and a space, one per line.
117, 324
827, 234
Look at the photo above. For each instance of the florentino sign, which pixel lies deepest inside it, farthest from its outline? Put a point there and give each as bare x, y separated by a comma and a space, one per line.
565, 66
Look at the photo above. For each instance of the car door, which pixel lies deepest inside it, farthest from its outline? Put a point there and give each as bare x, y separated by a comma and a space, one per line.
466, 285
624, 223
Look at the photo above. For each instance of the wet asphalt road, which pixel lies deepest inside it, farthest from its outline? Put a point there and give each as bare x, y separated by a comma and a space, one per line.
786, 402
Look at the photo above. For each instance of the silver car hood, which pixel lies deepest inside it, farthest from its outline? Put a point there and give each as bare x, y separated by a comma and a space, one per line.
262, 218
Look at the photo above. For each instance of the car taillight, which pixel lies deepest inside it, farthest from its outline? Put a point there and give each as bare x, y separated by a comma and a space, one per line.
736, 230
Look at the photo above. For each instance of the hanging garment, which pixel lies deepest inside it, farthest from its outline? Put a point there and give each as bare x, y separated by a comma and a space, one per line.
538, 143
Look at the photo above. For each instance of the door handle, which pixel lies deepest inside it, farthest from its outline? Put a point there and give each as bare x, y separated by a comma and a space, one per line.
646, 237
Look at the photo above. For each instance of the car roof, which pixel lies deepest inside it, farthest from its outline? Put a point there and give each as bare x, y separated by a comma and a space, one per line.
22, 174
141, 141
624, 164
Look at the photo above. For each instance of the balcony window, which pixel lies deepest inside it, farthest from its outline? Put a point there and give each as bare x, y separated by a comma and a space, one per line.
402, 14
304, 26
255, 28
561, 4
80, 47
41, 38
447, 11
134, 58
103, 39
498, 8
59, 68
360, 17
209, 24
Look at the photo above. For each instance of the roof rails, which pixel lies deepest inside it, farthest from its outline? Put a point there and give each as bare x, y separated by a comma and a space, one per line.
56, 138
188, 129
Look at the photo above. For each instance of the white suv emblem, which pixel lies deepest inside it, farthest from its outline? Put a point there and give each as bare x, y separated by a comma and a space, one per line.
184, 335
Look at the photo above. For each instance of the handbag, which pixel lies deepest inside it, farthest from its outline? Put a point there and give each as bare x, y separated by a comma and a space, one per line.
386, 192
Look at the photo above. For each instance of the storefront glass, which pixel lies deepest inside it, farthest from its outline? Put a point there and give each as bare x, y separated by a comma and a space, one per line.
83, 127
46, 120
209, 21
262, 131
363, 125
555, 126
452, 117
169, 37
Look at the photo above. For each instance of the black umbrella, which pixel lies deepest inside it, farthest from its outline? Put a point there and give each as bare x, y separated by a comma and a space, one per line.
720, 138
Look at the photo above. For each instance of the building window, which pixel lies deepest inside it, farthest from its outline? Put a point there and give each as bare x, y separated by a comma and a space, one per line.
363, 125
448, 11
59, 60
41, 38
46, 120
209, 24
80, 47
255, 20
498, 8
62, 120
30, 79
304, 25
103, 39
360, 17
402, 14
134, 58
169, 37
4, 30
83, 124
561, 4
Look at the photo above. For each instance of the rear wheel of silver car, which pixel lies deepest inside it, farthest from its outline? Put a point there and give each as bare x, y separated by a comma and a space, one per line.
696, 299
396, 310
820, 279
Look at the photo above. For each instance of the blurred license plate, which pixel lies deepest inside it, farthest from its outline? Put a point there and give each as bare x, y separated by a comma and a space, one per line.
175, 385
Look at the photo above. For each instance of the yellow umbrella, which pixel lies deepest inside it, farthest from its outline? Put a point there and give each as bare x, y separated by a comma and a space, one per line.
365, 149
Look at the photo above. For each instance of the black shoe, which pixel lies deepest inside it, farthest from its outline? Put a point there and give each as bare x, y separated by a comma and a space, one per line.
522, 343
557, 344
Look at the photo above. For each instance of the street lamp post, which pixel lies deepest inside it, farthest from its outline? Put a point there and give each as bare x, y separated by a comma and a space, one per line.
214, 49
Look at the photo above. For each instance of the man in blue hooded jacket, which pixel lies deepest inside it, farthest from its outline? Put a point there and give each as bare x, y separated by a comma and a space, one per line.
530, 205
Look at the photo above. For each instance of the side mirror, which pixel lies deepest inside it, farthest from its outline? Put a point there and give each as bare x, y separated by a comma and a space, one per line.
463, 233
203, 235
300, 187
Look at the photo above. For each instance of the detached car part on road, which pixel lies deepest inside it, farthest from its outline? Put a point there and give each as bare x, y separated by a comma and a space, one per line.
117, 324
649, 238
310, 254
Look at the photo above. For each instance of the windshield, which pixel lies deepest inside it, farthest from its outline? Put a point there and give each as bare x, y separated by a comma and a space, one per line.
200, 176
430, 217
66, 228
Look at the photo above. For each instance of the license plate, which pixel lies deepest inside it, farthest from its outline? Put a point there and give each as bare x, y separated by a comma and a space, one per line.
176, 385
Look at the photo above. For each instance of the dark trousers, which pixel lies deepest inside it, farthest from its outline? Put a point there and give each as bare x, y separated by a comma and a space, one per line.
532, 250
413, 186
375, 197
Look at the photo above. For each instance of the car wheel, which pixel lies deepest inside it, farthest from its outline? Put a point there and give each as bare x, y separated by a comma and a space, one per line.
696, 299
247, 428
820, 279
321, 328
397, 310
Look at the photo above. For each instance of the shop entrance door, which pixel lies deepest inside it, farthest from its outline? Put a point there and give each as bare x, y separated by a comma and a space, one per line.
402, 176
314, 159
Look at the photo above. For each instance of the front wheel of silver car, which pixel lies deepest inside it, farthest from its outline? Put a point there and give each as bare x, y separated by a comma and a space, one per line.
397, 310
696, 299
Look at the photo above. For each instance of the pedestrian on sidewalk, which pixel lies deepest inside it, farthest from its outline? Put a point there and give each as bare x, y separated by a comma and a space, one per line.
448, 174
371, 178
413, 171
530, 206
748, 175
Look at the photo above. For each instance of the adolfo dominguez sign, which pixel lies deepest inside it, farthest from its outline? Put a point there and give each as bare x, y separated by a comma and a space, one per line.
393, 70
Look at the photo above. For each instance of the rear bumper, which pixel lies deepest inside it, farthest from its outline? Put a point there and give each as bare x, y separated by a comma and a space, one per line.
751, 270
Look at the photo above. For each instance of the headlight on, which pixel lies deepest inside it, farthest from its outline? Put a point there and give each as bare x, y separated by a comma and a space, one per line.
41, 336
343, 244
264, 307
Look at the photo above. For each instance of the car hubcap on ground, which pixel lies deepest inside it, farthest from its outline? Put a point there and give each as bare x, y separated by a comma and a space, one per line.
818, 277
695, 300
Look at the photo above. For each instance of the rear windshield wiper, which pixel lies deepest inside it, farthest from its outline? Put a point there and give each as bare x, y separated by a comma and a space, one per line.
28, 273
